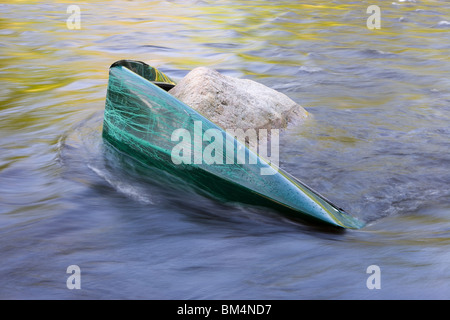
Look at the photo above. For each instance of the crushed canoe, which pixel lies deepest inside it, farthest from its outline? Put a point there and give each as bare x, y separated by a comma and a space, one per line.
140, 119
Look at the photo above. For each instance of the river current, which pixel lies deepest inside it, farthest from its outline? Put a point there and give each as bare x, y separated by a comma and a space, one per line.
378, 145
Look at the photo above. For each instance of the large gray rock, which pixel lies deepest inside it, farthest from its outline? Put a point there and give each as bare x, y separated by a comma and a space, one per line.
235, 103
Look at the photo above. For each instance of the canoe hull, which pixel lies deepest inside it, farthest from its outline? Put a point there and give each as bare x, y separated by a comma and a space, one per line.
140, 118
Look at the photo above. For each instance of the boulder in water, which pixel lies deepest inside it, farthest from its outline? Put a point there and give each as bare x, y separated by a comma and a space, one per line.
234, 103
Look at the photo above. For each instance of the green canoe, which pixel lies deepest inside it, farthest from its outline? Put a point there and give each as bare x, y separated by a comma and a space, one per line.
140, 119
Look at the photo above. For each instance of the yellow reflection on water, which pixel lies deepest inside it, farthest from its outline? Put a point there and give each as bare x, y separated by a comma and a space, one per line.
40, 54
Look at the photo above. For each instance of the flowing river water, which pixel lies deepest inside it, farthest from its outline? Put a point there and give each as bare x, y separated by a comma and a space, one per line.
378, 145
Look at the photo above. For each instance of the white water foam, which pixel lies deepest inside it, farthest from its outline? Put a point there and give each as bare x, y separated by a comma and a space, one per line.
127, 189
